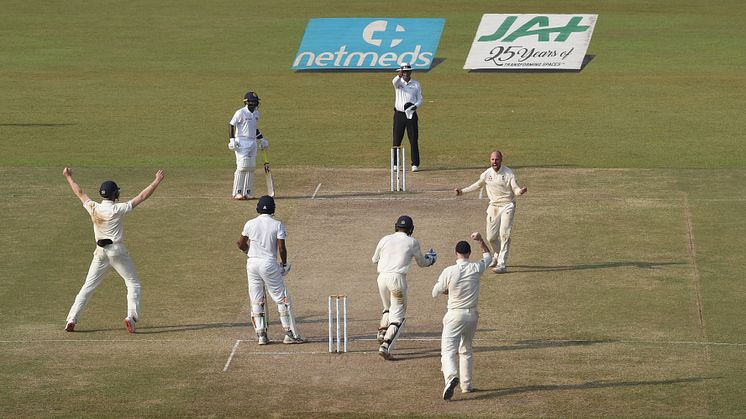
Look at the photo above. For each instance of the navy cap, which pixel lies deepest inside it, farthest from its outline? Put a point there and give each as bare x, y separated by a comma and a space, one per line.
108, 189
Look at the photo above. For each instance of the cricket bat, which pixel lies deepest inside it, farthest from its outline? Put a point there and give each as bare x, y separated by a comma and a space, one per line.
268, 175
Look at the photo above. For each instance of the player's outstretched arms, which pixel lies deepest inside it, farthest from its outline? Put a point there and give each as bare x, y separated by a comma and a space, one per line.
145, 194
77, 190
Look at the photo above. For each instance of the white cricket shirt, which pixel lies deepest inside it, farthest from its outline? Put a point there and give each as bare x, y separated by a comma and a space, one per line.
107, 218
406, 92
394, 253
263, 233
245, 122
462, 282
502, 186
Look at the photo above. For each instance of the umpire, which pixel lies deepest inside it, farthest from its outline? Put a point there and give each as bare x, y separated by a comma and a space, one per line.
408, 100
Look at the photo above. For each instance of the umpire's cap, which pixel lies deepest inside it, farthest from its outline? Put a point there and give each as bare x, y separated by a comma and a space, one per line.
266, 205
406, 223
405, 67
109, 189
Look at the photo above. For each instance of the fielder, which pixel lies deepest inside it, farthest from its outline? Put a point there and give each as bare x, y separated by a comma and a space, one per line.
108, 229
460, 282
393, 256
502, 188
242, 139
262, 239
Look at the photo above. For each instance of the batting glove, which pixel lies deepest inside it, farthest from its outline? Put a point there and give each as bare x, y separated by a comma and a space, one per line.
284, 269
263, 144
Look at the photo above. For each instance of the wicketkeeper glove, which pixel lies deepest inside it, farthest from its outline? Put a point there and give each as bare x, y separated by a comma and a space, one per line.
432, 256
232, 144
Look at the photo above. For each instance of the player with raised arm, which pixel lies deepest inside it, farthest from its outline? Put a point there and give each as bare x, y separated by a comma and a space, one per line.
108, 230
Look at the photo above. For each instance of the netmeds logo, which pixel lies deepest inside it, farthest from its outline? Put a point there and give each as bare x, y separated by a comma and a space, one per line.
368, 43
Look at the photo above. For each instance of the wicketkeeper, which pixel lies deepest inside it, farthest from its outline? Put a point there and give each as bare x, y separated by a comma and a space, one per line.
393, 256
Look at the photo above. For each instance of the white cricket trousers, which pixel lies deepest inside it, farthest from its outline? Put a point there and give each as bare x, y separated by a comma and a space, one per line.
116, 256
499, 227
459, 327
267, 272
243, 177
393, 290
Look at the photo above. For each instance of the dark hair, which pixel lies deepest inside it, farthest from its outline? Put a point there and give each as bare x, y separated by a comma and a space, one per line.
463, 248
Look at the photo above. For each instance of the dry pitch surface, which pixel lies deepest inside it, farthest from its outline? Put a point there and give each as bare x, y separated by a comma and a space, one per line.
600, 313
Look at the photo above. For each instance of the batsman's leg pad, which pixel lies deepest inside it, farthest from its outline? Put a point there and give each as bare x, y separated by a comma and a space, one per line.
259, 318
239, 179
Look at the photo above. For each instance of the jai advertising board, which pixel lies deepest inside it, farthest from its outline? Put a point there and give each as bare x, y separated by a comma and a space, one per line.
537, 42
368, 43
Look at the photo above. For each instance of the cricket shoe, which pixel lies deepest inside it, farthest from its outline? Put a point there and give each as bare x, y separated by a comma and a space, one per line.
500, 270
262, 339
290, 339
450, 387
129, 323
493, 263
415, 169
384, 351
70, 326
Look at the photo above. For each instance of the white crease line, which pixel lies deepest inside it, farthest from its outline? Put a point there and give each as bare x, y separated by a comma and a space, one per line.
316, 191
230, 358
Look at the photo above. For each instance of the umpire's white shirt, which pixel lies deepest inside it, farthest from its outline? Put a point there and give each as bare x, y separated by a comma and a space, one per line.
263, 233
245, 122
394, 253
502, 186
407, 92
107, 218
462, 282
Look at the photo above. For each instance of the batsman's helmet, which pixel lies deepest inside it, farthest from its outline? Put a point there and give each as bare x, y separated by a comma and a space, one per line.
405, 222
266, 205
251, 98
109, 190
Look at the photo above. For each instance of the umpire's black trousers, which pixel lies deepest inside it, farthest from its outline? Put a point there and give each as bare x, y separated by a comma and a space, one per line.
413, 132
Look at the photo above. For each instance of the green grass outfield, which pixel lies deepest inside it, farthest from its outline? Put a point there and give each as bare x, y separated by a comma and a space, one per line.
626, 295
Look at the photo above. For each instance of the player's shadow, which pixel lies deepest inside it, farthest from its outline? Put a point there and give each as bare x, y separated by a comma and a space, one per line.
494, 393
538, 344
584, 266
154, 329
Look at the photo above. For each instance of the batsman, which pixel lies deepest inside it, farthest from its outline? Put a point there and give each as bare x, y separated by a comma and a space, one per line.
243, 138
263, 240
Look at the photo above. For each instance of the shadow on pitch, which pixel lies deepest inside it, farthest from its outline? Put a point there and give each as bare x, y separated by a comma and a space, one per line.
603, 265
498, 392
539, 344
